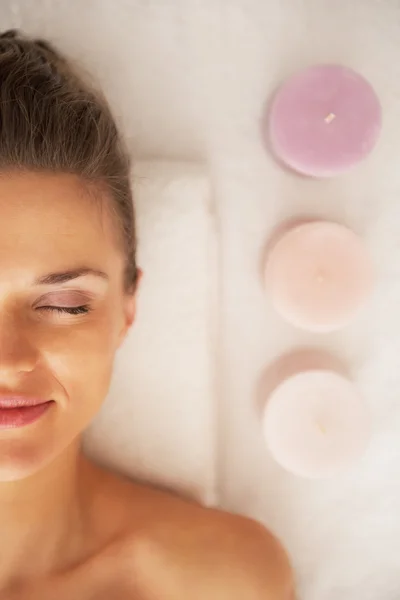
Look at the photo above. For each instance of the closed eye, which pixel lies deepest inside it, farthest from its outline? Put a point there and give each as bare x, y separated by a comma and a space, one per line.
73, 310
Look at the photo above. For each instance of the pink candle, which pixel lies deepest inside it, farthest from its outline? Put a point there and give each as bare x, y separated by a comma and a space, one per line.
324, 120
318, 275
315, 424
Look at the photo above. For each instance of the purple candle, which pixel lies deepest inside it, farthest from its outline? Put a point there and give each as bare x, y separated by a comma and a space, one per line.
324, 120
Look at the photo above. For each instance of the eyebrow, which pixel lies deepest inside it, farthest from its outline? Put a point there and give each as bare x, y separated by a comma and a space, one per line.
64, 276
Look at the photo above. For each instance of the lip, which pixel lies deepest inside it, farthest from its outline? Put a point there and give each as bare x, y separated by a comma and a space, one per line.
14, 401
19, 411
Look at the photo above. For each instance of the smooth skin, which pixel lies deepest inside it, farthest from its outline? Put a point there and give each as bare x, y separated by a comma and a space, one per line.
70, 529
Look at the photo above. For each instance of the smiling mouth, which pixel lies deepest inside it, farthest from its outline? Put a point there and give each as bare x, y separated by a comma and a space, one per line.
13, 416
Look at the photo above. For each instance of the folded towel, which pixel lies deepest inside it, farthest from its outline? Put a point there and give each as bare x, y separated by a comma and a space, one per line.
158, 421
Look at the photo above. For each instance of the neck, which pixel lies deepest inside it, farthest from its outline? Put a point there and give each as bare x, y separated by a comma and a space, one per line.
41, 519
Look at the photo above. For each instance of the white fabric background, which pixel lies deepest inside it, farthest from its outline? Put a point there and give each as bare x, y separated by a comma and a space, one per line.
159, 419
188, 79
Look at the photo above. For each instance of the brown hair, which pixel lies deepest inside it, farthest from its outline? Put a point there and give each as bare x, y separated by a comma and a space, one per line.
50, 120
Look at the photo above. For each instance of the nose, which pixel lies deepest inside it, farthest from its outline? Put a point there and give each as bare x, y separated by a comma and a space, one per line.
17, 353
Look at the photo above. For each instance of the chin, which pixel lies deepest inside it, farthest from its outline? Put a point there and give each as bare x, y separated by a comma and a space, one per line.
19, 460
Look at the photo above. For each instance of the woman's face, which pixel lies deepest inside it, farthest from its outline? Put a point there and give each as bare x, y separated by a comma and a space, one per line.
50, 224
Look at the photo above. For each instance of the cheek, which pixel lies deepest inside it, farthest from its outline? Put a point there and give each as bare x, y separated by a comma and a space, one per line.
80, 359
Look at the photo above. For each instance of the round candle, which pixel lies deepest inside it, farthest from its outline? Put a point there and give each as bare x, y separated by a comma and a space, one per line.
324, 120
315, 424
318, 276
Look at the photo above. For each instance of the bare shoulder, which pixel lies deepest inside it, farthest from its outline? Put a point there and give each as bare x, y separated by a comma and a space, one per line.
179, 549
217, 556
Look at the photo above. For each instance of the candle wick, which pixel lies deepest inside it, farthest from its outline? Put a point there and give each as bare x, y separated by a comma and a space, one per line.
329, 118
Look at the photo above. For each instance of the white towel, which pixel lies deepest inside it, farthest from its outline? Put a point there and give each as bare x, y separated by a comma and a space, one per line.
158, 421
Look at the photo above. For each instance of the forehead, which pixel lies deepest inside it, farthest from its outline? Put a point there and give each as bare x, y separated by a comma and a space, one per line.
53, 219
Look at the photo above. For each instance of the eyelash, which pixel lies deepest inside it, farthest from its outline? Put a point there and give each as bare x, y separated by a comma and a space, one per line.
73, 310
